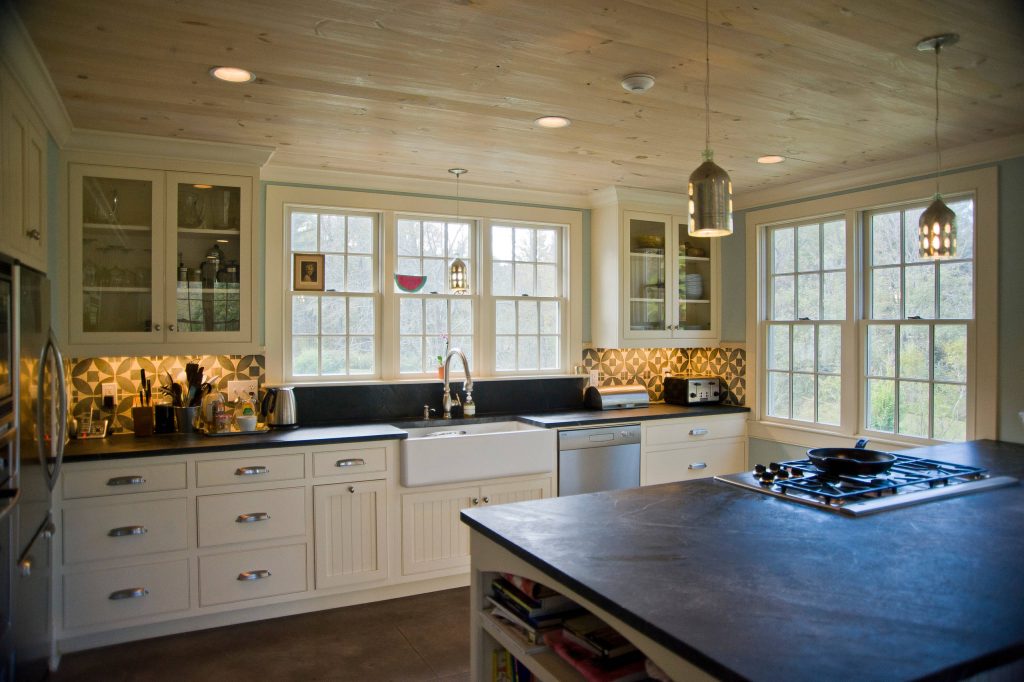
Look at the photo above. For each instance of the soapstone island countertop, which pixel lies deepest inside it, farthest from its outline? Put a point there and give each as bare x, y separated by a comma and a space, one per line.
127, 445
748, 586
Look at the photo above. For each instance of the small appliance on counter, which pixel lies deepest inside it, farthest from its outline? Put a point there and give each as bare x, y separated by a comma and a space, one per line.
616, 397
692, 390
278, 410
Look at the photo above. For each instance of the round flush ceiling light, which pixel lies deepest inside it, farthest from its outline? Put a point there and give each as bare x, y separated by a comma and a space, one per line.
771, 158
638, 82
232, 74
552, 121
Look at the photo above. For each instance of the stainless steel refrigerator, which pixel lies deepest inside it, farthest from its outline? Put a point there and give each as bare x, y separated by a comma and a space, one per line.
33, 432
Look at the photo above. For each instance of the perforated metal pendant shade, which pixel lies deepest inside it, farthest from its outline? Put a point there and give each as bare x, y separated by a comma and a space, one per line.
710, 191
937, 230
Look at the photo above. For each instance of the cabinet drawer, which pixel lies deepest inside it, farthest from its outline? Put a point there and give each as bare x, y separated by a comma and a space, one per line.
254, 469
699, 460
343, 462
128, 478
248, 517
122, 529
694, 430
122, 594
254, 574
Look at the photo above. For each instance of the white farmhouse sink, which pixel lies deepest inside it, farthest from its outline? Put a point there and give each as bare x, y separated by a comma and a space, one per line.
469, 452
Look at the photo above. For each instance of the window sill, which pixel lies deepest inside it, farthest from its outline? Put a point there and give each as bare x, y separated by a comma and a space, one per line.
810, 437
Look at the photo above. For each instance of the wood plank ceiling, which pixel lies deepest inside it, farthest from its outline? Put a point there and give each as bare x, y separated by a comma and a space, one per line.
412, 87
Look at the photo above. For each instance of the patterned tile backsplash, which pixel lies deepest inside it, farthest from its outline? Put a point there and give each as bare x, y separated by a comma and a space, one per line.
89, 374
646, 366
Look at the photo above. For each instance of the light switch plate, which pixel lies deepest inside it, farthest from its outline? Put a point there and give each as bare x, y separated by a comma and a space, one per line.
242, 387
594, 378
109, 389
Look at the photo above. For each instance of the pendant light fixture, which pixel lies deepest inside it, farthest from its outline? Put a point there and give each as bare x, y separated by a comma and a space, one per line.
937, 225
457, 279
710, 188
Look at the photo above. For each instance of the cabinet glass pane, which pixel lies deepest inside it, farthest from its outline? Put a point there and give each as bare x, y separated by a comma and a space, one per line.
117, 255
694, 275
647, 293
207, 220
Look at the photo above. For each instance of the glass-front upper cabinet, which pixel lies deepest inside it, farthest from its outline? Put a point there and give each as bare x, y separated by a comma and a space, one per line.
210, 251
671, 280
159, 257
116, 254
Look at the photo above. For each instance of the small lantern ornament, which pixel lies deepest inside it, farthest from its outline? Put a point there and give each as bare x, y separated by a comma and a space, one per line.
457, 280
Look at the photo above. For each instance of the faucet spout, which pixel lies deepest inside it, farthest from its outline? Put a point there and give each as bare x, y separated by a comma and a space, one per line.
447, 400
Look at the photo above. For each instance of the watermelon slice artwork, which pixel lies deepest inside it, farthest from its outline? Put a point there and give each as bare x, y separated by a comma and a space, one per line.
410, 283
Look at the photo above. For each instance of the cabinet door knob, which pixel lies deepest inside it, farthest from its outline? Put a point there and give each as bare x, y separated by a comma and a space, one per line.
487, 500
351, 488
476, 501
170, 327
156, 327
34, 234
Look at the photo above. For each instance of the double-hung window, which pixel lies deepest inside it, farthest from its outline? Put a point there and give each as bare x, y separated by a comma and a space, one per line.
334, 331
527, 288
433, 318
806, 306
919, 315
857, 335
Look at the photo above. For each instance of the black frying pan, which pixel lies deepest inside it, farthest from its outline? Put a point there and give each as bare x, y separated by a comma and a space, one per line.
855, 461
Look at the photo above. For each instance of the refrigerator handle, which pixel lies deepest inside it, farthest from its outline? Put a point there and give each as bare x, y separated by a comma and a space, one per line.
48, 347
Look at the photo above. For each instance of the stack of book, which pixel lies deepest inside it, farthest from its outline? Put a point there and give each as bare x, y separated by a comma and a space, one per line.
596, 650
530, 608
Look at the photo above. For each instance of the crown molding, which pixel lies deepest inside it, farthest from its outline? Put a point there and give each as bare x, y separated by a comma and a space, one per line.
282, 174
953, 160
99, 141
649, 198
20, 55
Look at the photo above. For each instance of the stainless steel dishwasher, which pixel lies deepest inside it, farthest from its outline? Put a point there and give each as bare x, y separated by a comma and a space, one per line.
605, 458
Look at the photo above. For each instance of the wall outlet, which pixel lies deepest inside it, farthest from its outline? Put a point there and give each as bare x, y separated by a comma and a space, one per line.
243, 388
594, 377
109, 390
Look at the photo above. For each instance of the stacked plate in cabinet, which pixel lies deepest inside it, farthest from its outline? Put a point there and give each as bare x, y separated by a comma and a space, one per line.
693, 286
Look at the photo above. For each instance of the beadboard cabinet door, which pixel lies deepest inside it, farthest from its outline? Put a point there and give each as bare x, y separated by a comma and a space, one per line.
351, 533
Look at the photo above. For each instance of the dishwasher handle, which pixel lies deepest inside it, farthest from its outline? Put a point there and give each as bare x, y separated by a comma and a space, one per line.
602, 437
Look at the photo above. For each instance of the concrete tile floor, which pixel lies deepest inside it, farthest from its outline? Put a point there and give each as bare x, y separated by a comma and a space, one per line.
425, 637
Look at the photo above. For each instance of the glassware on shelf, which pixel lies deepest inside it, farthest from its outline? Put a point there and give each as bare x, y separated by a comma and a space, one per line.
192, 210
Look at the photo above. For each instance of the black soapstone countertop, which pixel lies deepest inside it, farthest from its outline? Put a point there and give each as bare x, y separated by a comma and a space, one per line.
746, 585
127, 445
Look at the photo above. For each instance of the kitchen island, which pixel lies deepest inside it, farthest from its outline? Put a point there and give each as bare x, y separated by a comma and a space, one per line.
709, 579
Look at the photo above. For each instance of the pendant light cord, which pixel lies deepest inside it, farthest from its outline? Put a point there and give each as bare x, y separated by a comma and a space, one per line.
707, 76
938, 151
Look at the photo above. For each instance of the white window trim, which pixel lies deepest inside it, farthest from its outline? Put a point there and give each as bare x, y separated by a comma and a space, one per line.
982, 362
388, 206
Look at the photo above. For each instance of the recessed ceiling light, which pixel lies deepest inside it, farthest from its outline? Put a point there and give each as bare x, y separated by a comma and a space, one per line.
552, 121
771, 158
203, 186
232, 74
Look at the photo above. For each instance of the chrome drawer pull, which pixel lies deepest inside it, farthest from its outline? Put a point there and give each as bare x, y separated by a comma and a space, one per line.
126, 480
253, 517
698, 465
698, 432
130, 593
259, 574
350, 462
127, 530
252, 471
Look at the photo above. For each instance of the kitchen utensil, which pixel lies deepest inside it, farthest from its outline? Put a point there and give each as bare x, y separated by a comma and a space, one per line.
855, 461
278, 408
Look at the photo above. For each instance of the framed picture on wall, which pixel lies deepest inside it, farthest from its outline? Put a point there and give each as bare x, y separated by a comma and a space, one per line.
308, 272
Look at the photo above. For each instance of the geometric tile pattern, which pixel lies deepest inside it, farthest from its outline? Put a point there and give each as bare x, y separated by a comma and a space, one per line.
647, 367
87, 375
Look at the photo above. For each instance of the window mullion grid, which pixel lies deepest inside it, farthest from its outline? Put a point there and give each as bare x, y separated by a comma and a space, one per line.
790, 372
931, 375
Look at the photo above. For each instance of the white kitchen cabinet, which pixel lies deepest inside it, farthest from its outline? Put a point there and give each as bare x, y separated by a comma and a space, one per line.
130, 229
251, 516
653, 285
350, 522
694, 447
433, 536
23, 169
123, 594
253, 574
97, 530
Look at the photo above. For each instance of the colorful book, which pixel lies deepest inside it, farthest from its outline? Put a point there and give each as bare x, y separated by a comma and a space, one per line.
530, 632
534, 607
593, 669
590, 632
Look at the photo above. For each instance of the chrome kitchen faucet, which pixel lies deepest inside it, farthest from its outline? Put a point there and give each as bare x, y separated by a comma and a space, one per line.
469, 408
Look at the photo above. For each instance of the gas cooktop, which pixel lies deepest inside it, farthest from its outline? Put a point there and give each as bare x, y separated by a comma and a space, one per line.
911, 480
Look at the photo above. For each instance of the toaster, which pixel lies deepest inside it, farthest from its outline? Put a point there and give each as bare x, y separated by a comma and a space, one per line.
689, 390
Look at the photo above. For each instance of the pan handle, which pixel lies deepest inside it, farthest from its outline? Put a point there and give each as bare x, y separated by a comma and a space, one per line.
861, 444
